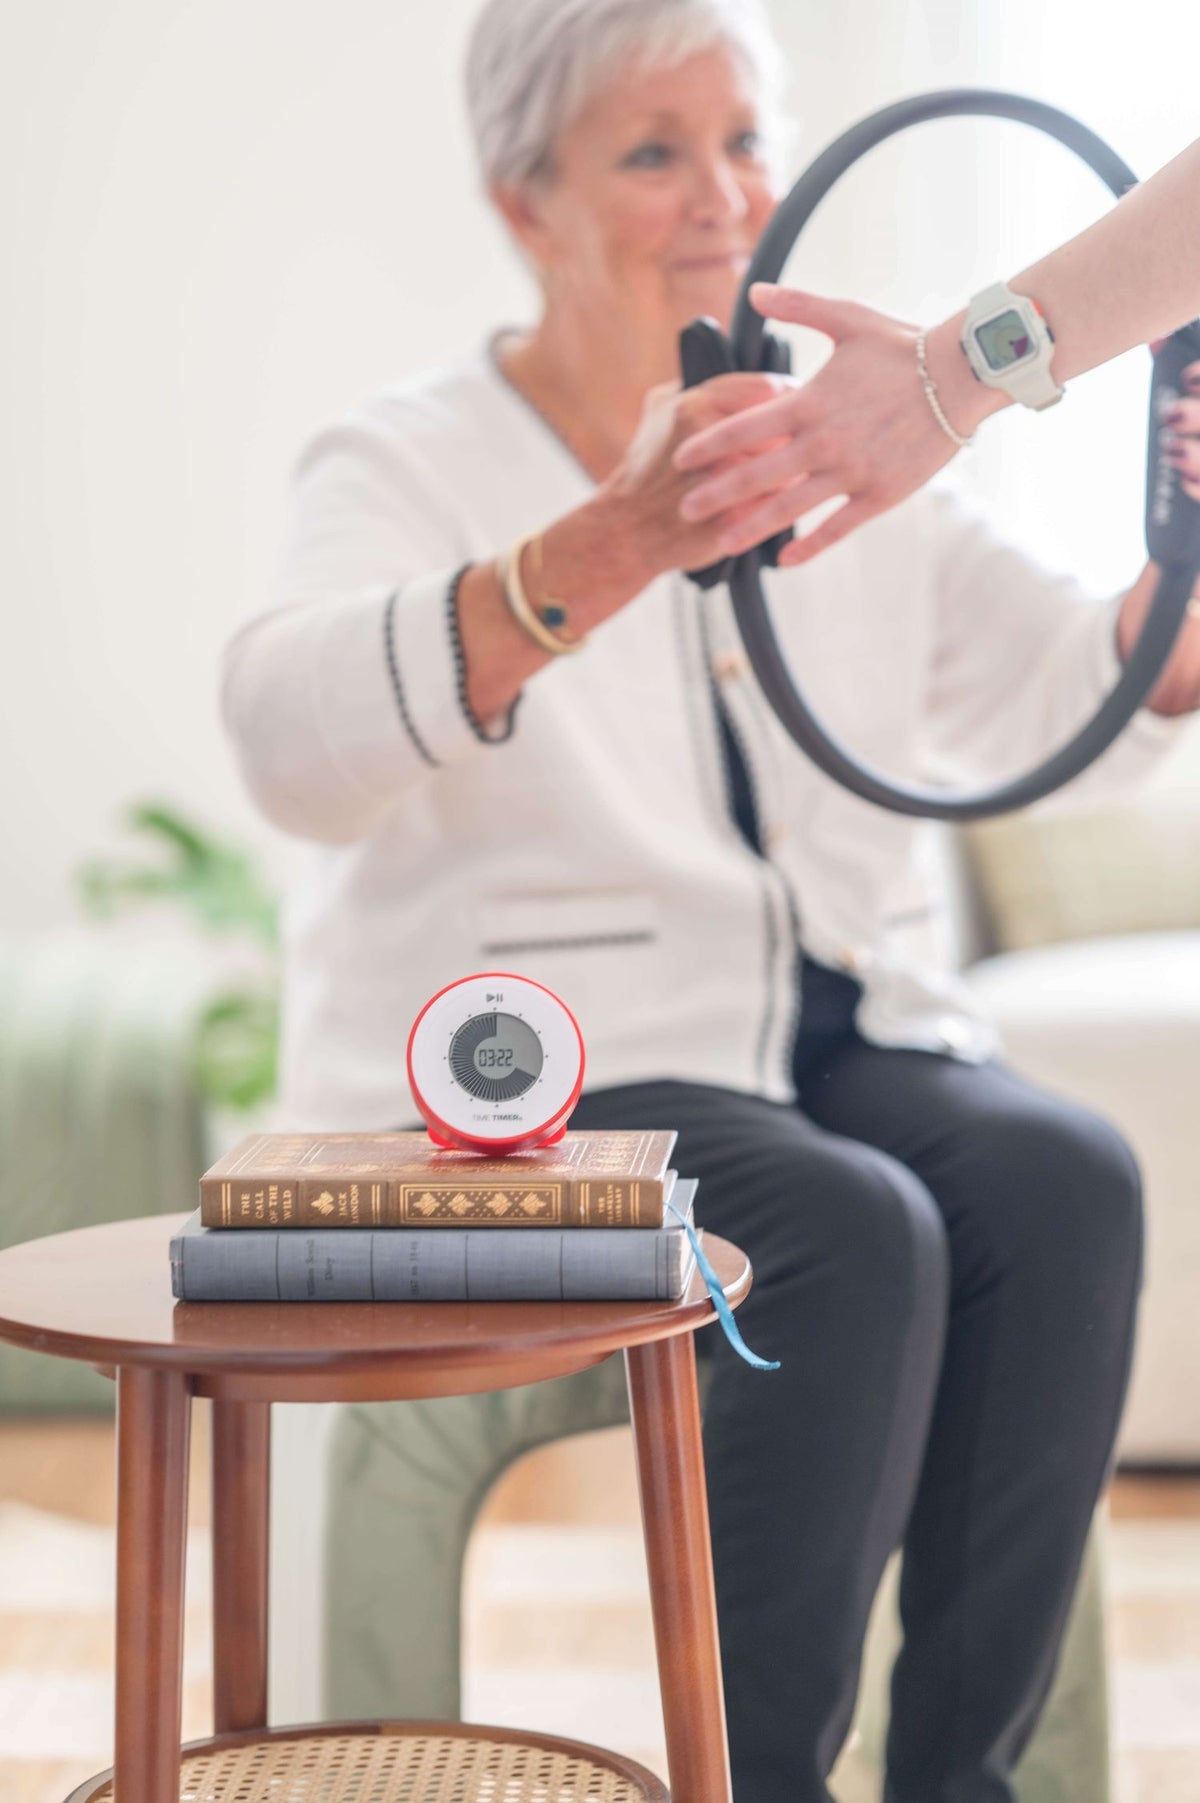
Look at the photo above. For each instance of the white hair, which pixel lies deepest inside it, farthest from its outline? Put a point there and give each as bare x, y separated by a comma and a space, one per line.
531, 65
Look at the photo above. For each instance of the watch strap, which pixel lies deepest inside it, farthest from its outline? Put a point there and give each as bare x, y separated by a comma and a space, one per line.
993, 299
1035, 387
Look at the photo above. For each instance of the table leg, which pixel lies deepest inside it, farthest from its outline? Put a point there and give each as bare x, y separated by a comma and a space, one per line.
153, 1416
665, 1409
241, 1510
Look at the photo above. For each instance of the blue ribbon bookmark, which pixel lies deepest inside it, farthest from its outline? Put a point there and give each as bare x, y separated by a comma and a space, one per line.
724, 1312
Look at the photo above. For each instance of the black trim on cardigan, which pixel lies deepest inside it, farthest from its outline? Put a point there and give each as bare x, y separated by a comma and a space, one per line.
766, 888
756, 702
397, 685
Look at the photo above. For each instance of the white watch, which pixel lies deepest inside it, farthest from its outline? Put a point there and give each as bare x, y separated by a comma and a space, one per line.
1009, 345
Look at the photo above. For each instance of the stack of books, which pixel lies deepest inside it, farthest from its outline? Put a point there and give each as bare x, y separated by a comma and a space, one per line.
387, 1217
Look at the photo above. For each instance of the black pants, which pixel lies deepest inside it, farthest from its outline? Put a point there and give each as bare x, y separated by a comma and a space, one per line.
946, 1261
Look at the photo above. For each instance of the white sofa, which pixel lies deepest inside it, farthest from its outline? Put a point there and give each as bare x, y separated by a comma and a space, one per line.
1079, 931
1114, 1021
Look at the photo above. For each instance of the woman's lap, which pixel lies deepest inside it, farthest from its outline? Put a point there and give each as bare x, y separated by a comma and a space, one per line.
811, 1469
1013, 1171
946, 1260
1042, 1206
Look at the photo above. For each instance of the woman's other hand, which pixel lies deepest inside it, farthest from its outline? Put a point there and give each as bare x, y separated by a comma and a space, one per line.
1184, 421
862, 427
1177, 690
603, 553
642, 497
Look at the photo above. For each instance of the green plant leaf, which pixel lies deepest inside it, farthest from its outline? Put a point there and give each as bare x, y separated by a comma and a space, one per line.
234, 1053
234, 1050
216, 884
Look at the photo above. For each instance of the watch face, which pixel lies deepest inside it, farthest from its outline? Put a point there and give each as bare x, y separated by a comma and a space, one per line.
1005, 340
496, 1057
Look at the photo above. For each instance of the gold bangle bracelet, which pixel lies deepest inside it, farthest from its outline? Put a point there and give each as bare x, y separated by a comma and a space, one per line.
521, 608
551, 612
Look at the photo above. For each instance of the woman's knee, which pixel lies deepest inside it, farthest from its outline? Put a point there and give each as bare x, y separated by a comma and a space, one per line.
851, 1295
1107, 1181
898, 1233
857, 1225
1060, 1184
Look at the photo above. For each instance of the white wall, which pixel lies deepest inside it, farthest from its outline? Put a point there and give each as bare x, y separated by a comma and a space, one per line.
222, 223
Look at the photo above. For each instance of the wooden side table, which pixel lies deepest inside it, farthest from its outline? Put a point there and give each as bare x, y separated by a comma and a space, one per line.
103, 1294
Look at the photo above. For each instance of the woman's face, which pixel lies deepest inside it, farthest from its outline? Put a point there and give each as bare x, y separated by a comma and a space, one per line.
659, 192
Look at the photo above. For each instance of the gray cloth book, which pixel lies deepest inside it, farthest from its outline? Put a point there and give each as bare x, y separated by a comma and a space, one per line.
398, 1264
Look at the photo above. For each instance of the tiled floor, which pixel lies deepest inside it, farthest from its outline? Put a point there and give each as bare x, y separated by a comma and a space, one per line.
557, 1630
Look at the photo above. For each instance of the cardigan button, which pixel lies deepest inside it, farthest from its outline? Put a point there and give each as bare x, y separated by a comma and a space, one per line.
729, 666
954, 1034
854, 959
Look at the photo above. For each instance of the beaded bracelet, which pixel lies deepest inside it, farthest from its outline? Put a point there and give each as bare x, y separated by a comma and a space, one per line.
454, 629
931, 395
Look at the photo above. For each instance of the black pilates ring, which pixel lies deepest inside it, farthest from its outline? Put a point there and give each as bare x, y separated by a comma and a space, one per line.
1172, 518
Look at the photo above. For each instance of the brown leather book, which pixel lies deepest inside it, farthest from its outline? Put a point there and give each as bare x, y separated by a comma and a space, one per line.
403, 1180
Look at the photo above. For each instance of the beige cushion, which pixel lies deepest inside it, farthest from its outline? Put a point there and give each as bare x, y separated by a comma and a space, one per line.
1115, 1024
1129, 867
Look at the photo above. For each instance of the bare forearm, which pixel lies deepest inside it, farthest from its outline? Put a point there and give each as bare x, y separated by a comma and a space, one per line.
1131, 277
598, 557
586, 563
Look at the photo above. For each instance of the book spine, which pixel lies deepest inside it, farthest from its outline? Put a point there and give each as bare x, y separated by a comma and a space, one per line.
416, 1201
395, 1266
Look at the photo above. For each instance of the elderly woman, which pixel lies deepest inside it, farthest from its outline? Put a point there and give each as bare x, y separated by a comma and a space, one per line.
515, 736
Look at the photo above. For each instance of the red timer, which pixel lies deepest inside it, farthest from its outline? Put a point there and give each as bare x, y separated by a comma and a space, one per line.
495, 1064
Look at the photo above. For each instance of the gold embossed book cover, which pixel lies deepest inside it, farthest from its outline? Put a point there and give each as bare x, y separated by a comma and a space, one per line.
589, 1179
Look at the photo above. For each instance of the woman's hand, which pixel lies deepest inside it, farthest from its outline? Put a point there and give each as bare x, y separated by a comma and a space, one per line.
1184, 421
641, 500
862, 427
1177, 690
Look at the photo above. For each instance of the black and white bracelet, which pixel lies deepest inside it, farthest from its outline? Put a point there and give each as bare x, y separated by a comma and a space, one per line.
454, 628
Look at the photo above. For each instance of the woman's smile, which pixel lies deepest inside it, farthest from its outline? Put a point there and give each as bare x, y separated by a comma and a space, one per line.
737, 260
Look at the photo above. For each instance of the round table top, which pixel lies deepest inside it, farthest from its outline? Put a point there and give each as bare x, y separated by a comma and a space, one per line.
103, 1294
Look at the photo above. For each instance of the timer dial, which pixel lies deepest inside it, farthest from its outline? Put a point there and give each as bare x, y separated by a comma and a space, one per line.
496, 1056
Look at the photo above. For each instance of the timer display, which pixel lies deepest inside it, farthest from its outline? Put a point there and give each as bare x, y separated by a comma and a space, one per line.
496, 1057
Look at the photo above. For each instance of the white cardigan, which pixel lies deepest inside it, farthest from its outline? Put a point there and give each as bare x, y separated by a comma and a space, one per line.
595, 849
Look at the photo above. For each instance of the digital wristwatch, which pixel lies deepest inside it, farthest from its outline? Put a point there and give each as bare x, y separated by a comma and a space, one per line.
1009, 346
